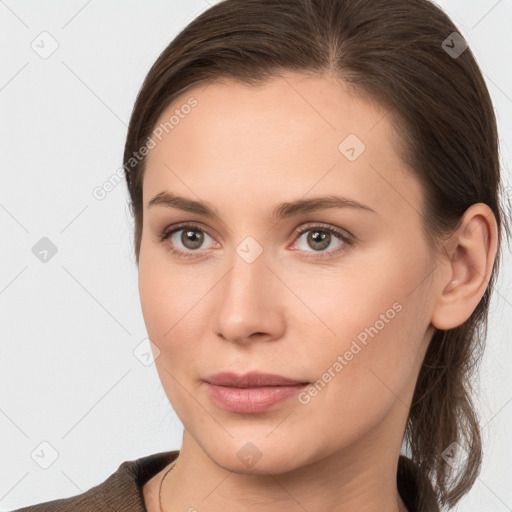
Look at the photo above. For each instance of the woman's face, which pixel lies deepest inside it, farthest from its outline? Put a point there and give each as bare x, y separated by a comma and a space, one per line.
336, 292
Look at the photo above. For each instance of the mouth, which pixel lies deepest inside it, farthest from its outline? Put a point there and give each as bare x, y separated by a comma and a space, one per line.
252, 392
251, 380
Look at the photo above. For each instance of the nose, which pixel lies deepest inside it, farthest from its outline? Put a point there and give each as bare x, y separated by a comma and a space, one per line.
250, 301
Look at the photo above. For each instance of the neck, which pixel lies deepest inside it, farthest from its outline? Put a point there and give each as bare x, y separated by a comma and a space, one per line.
354, 479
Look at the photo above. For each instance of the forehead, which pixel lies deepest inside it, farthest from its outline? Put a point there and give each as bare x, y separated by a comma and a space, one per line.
323, 103
307, 132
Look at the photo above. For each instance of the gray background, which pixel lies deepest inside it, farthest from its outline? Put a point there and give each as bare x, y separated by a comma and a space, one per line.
72, 367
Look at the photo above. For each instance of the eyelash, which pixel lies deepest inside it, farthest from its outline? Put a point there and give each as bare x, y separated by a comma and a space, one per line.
346, 238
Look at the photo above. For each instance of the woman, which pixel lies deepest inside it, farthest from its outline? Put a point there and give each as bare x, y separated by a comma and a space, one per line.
315, 186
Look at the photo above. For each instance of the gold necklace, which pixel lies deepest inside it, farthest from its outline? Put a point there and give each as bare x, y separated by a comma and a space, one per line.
161, 483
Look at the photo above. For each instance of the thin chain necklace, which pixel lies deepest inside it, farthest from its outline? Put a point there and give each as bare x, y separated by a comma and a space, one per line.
161, 483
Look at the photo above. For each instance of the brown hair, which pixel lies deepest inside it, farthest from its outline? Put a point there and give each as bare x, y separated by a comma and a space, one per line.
392, 51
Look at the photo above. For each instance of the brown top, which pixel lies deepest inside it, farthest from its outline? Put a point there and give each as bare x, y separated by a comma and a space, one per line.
122, 491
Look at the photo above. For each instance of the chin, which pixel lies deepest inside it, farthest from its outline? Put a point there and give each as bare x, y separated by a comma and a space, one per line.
257, 457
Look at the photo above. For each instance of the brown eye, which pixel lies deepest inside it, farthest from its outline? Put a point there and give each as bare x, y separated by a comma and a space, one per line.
318, 239
186, 240
192, 238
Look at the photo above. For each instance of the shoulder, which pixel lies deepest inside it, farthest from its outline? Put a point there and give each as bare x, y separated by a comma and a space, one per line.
122, 490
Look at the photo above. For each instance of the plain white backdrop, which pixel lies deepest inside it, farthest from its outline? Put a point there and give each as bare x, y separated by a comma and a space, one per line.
77, 395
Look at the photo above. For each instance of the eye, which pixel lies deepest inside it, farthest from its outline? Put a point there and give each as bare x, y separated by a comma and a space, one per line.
188, 236
186, 240
320, 238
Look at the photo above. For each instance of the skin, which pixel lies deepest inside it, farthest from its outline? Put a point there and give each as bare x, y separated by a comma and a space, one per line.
244, 150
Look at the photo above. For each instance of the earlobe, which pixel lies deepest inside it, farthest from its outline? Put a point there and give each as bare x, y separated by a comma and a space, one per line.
470, 255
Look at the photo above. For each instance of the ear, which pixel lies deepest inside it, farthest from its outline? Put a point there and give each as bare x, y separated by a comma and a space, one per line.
470, 255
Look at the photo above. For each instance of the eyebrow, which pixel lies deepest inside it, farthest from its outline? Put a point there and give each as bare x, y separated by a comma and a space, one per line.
282, 211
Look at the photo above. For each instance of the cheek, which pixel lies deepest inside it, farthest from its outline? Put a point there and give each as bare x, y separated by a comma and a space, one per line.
162, 293
375, 337
371, 299
162, 300
365, 377
171, 322
173, 306
153, 298
375, 299
380, 317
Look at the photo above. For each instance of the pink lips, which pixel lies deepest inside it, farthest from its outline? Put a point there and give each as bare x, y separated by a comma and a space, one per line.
252, 392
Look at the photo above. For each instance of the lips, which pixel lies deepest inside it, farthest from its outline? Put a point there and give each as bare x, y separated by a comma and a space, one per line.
251, 380
253, 392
